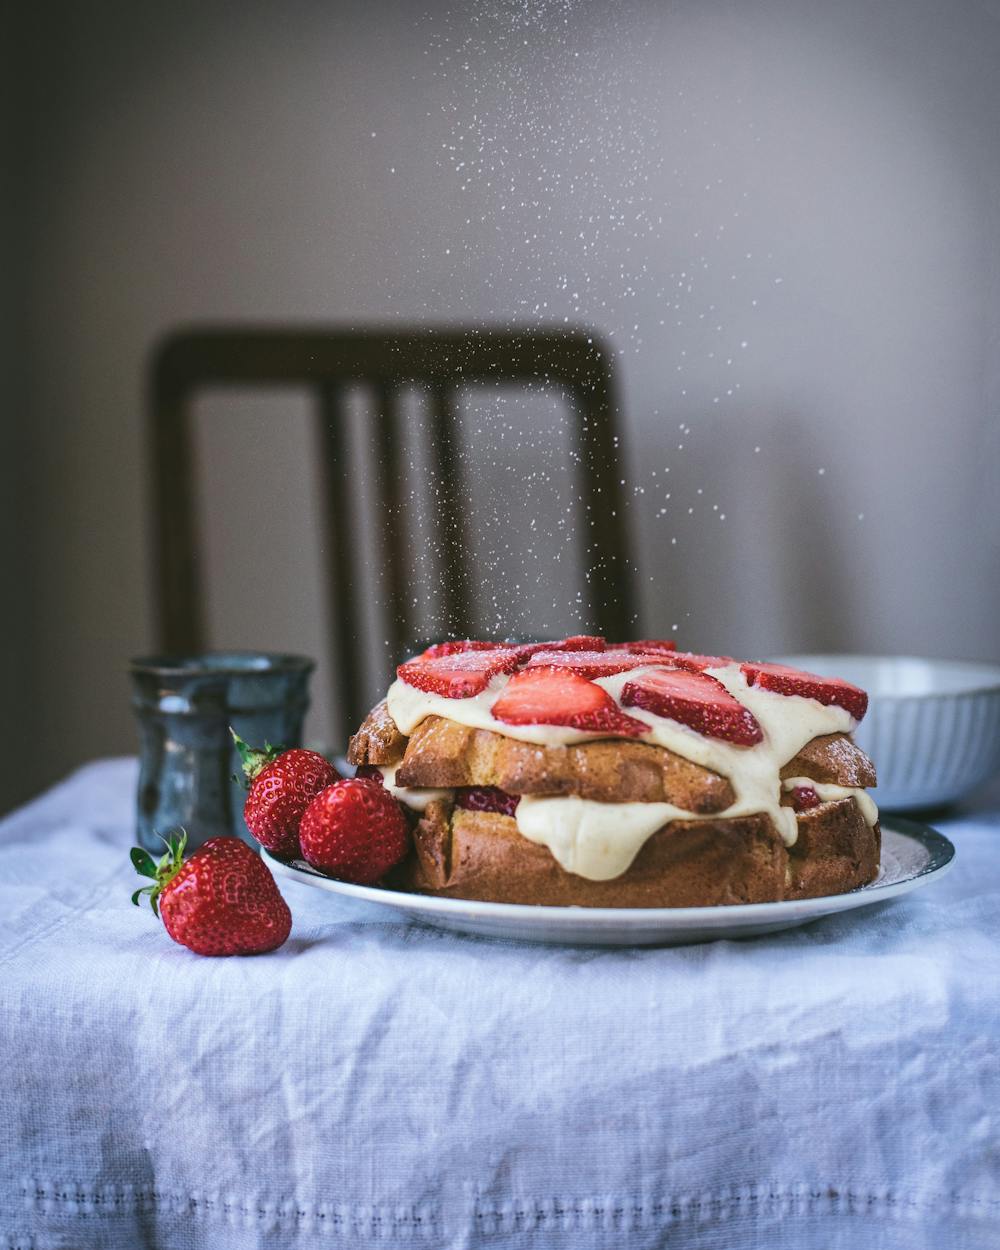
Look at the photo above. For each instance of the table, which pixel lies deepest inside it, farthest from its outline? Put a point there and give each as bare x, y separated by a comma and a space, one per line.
376, 1083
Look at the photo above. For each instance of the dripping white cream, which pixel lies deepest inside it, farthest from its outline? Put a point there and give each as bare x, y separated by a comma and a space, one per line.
411, 796
826, 792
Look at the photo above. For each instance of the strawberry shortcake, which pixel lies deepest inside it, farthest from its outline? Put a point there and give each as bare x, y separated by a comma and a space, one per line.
601, 774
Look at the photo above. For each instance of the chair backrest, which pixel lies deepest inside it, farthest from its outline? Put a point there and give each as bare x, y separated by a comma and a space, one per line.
443, 362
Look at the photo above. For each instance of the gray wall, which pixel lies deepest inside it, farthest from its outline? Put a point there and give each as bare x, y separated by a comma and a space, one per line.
785, 216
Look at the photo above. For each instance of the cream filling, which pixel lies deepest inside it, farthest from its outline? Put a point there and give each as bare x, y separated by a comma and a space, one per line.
595, 840
829, 793
410, 796
600, 840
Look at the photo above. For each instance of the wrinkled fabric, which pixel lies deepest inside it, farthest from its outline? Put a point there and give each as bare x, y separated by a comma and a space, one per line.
379, 1083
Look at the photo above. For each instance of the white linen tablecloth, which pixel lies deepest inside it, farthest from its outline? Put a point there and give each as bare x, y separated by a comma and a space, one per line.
380, 1083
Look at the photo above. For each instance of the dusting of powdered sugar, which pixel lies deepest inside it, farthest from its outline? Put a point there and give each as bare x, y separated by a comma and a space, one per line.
582, 186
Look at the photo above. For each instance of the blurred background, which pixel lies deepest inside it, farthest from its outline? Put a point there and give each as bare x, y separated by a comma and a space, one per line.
782, 217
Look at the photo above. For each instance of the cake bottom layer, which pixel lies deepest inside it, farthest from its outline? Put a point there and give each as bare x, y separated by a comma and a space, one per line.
694, 863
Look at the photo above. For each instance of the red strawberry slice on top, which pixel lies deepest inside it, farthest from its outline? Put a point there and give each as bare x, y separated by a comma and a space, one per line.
646, 644
559, 696
458, 676
698, 663
826, 690
696, 700
459, 645
576, 642
591, 664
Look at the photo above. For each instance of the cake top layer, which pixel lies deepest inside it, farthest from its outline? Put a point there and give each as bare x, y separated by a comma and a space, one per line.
560, 684
742, 719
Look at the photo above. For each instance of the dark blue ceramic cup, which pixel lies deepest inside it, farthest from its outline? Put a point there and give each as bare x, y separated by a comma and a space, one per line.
185, 706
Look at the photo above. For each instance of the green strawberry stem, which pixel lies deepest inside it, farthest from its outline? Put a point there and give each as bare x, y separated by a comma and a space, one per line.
162, 871
254, 760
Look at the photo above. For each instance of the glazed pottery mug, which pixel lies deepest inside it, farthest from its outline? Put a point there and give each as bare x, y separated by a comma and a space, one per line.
185, 706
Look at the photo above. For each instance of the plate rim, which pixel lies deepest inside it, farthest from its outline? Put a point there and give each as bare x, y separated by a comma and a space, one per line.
941, 851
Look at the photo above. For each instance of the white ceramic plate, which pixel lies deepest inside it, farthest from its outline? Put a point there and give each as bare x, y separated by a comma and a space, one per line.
913, 855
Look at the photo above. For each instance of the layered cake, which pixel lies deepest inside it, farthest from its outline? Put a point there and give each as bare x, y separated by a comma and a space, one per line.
622, 775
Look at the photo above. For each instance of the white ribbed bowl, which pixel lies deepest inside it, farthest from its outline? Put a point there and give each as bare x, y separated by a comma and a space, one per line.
932, 728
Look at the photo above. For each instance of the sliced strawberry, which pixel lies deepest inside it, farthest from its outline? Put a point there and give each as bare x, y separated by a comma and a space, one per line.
826, 690
458, 676
698, 663
591, 664
558, 696
696, 700
577, 642
646, 644
804, 798
458, 646
487, 799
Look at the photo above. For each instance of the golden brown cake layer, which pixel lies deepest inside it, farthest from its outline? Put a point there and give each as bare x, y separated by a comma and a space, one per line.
835, 851
698, 863
378, 741
832, 759
442, 753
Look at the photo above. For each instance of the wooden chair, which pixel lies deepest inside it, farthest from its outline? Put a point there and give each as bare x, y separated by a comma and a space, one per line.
330, 362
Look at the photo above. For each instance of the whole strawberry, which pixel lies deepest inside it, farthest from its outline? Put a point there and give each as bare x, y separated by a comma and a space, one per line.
221, 901
354, 830
281, 785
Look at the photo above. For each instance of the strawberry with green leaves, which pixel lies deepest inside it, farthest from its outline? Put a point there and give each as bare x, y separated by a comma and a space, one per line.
281, 784
220, 901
